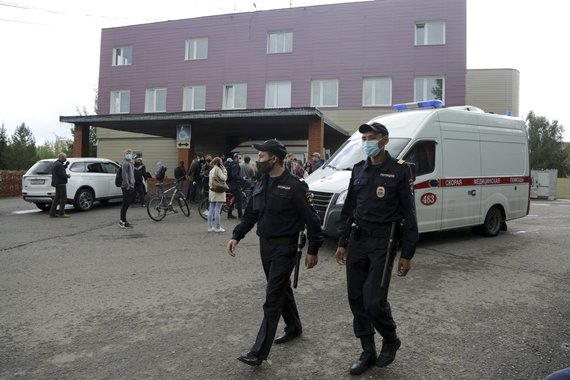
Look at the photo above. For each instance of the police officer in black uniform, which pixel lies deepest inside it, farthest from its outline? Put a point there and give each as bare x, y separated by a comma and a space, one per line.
281, 205
380, 192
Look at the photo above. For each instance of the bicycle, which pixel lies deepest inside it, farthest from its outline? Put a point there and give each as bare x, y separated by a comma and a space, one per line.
204, 204
160, 205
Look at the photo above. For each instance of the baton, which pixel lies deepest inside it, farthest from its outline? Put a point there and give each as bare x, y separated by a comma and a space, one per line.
300, 245
391, 242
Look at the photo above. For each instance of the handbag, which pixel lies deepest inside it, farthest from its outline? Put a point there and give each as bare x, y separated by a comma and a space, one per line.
218, 186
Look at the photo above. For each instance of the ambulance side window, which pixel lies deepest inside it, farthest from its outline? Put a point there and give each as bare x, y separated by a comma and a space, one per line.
423, 156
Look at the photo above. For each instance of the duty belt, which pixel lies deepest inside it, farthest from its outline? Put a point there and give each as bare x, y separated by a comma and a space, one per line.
361, 231
281, 240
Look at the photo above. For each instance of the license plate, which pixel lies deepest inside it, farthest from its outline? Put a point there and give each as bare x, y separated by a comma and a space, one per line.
36, 181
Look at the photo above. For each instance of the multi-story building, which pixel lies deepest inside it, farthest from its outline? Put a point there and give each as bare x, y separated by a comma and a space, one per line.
309, 73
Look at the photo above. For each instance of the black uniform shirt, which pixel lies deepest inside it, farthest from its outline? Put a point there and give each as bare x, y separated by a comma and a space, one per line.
281, 210
379, 195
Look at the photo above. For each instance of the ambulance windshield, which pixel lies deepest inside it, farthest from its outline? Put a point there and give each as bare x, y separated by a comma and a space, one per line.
351, 153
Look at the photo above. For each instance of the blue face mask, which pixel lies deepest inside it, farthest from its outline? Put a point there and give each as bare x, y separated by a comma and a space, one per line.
371, 148
128, 156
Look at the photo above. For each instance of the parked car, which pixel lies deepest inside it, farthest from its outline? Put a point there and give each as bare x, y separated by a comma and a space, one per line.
91, 179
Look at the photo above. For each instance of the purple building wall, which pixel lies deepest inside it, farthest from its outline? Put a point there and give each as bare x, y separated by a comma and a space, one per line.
342, 41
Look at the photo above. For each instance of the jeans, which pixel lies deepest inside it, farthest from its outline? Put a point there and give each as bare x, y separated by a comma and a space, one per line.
128, 196
214, 212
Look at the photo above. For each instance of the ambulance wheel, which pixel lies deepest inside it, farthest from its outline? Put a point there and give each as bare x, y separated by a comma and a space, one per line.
493, 222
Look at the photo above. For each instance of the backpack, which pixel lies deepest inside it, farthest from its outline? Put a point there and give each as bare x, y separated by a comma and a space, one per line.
119, 177
159, 175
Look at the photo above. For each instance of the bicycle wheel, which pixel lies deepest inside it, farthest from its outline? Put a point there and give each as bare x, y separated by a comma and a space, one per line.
156, 209
203, 208
183, 205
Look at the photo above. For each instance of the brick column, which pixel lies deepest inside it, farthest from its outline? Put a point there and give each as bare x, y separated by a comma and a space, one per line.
316, 137
81, 140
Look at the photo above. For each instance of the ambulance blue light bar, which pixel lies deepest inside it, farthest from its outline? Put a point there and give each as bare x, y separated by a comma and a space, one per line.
412, 105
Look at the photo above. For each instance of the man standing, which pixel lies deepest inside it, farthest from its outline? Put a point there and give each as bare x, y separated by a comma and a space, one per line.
128, 187
180, 175
235, 183
281, 205
317, 161
380, 193
140, 177
59, 180
247, 173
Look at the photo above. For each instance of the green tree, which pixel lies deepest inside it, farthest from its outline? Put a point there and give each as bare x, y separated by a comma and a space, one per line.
4, 148
545, 144
47, 150
23, 149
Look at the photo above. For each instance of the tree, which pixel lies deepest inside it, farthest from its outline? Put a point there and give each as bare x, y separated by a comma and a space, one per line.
545, 145
23, 149
4, 148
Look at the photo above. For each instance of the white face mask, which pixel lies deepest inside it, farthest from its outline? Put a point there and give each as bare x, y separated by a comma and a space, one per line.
371, 148
128, 156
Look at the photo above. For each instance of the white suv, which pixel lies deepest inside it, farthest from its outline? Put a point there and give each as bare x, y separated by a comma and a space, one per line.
91, 179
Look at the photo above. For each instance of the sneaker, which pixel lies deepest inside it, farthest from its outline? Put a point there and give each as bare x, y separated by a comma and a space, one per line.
210, 229
219, 230
122, 224
129, 225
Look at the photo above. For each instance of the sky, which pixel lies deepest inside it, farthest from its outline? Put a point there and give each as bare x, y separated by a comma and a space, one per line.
49, 63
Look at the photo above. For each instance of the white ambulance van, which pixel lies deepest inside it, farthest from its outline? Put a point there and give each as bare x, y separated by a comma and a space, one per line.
471, 168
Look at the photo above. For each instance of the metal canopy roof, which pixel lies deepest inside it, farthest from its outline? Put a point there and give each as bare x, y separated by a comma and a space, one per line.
244, 125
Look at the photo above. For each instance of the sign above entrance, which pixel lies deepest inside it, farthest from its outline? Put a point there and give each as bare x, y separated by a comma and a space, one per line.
183, 136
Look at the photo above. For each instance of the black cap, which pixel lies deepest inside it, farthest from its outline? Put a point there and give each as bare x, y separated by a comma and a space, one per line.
373, 127
272, 146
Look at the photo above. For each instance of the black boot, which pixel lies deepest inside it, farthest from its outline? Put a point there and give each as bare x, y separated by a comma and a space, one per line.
388, 353
367, 358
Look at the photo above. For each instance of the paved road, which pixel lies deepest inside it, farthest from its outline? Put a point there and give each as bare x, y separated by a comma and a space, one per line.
82, 299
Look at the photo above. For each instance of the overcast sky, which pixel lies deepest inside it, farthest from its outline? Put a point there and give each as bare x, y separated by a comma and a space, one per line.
50, 51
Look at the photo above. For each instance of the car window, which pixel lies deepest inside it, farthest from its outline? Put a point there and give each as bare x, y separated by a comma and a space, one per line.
109, 167
41, 167
77, 167
423, 156
94, 167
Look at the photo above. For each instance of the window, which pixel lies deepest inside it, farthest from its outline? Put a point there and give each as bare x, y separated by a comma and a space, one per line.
429, 88
324, 93
94, 167
430, 33
122, 55
194, 98
377, 92
279, 42
196, 48
422, 156
278, 95
109, 167
77, 167
120, 101
155, 100
235, 96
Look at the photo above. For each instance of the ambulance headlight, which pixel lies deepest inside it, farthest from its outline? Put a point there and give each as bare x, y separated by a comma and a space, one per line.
341, 198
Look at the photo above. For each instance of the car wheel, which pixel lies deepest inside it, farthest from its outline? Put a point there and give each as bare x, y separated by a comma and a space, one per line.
493, 222
84, 200
43, 206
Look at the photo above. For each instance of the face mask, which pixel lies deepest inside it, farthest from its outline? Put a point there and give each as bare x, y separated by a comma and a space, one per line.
264, 167
371, 148
128, 156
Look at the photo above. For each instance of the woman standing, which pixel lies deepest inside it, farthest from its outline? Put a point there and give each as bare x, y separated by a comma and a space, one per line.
216, 199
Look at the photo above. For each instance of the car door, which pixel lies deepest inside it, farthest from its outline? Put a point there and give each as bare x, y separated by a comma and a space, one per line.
110, 171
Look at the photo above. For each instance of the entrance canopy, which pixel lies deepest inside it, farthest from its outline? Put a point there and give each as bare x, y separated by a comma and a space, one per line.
235, 125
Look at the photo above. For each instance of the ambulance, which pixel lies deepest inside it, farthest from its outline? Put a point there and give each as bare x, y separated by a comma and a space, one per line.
471, 167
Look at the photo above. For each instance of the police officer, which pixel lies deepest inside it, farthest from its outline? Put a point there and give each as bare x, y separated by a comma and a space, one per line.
281, 205
380, 193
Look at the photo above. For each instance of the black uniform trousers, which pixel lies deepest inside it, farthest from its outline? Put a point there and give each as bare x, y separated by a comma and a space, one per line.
368, 301
278, 263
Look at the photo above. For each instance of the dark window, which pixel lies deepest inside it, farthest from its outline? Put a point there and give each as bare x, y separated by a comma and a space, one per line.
109, 167
94, 167
422, 156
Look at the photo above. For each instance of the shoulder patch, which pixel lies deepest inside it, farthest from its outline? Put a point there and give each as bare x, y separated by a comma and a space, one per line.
401, 162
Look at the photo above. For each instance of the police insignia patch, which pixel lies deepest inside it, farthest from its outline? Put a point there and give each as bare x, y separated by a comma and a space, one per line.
309, 197
380, 192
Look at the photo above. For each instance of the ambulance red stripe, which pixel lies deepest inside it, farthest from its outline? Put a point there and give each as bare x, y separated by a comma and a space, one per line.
475, 181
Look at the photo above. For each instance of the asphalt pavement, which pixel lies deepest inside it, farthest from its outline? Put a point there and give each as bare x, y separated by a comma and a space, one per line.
81, 298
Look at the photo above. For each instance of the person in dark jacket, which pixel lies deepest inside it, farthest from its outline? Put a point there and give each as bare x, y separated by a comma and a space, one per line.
128, 187
140, 177
380, 195
235, 183
281, 205
180, 175
59, 180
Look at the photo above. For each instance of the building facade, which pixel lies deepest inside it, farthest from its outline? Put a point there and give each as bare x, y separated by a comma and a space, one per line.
350, 61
